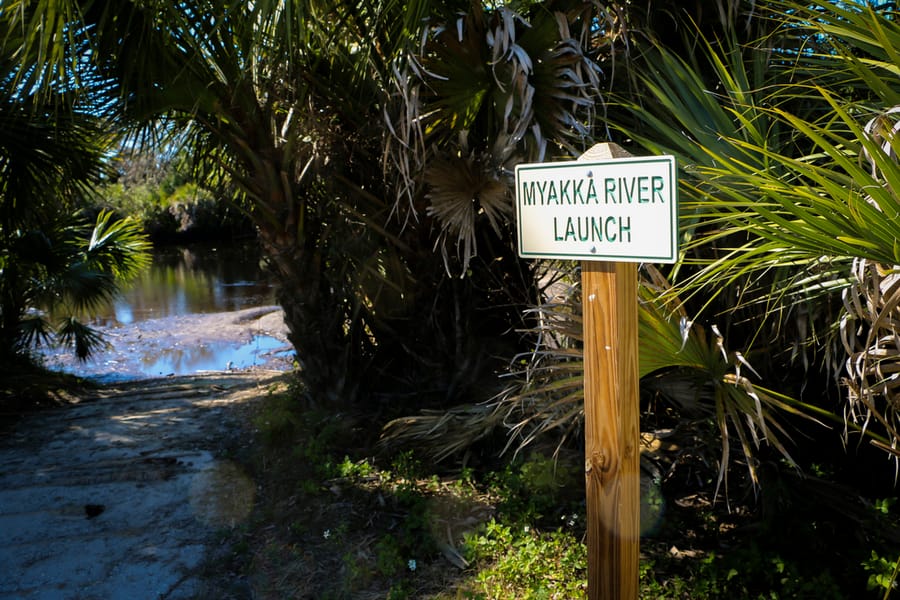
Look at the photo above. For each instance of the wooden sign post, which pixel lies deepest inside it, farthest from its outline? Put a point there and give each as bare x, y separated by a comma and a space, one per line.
611, 210
611, 429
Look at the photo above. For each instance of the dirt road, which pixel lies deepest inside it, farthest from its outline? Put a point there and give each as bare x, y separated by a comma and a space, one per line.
119, 496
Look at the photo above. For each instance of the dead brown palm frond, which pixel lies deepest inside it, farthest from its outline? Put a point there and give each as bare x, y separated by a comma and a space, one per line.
882, 130
871, 336
404, 152
870, 328
503, 84
545, 400
439, 434
463, 191
548, 400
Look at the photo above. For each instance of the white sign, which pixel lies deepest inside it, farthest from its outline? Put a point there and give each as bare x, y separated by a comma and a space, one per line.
623, 209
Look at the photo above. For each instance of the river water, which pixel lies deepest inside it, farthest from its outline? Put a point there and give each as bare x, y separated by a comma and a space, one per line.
178, 318
193, 280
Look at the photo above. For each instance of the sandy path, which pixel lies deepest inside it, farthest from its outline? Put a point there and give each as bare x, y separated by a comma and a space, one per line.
118, 495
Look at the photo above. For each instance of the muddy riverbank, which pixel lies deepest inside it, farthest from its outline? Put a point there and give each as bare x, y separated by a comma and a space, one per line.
243, 340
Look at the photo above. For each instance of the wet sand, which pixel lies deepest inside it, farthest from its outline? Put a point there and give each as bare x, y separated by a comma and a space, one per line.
244, 340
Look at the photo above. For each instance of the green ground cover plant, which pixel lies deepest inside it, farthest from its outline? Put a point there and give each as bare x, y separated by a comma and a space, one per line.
337, 518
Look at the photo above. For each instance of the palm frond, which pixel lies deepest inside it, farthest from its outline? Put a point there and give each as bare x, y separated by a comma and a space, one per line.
462, 192
800, 179
848, 46
118, 247
546, 398
458, 429
506, 84
871, 335
80, 337
80, 288
34, 330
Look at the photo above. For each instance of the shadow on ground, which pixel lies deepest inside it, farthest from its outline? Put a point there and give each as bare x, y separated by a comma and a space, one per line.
118, 494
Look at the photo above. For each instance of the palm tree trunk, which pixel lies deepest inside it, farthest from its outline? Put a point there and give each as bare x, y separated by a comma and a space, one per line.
313, 304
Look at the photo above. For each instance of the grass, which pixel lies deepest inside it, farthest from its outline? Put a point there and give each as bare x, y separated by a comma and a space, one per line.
336, 520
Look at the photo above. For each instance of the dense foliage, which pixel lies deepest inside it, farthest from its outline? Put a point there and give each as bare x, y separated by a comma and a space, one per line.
172, 206
55, 263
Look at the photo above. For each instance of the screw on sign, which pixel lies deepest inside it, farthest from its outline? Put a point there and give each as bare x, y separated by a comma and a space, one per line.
611, 211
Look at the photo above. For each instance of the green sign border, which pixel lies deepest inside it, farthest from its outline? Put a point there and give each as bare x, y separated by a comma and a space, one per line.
674, 234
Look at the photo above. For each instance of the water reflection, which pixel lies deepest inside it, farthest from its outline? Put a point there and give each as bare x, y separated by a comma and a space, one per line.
180, 317
192, 280
211, 356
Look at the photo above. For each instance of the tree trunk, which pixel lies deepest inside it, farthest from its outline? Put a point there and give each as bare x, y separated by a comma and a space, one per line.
315, 321
313, 299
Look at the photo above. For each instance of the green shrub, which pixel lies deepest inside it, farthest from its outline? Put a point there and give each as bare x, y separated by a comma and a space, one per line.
538, 488
520, 562
882, 573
